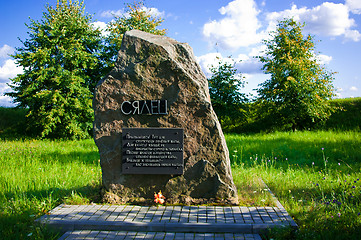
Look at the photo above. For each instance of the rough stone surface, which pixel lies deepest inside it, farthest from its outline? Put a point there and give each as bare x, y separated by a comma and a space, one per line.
157, 67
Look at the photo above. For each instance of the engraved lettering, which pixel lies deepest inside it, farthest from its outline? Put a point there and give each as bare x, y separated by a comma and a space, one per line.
144, 107
126, 107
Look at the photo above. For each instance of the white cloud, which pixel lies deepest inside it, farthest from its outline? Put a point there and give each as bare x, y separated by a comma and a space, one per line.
207, 61
4, 88
154, 12
5, 101
248, 65
354, 6
5, 51
353, 35
9, 70
324, 59
102, 26
111, 13
353, 88
328, 19
238, 27
244, 64
118, 13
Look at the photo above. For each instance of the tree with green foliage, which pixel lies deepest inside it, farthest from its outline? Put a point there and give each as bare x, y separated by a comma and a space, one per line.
63, 59
227, 100
300, 88
136, 17
61, 66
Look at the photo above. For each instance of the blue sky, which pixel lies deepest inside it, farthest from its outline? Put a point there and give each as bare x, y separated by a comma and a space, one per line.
218, 28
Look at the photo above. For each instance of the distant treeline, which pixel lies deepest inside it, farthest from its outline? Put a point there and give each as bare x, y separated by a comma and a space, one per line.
13, 123
347, 117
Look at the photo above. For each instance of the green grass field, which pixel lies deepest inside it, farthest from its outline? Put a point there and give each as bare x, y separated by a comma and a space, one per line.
37, 175
315, 175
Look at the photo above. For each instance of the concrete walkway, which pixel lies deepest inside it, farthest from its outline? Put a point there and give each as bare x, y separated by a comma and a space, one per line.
165, 222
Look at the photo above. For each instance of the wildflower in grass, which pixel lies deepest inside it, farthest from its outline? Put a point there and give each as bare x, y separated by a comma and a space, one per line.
339, 214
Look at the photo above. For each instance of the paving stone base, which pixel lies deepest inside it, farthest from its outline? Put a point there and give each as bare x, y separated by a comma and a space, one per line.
118, 235
179, 220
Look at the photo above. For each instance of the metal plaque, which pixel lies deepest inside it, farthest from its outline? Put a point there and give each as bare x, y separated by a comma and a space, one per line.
152, 151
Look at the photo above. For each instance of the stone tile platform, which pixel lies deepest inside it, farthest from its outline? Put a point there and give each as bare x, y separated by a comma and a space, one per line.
165, 222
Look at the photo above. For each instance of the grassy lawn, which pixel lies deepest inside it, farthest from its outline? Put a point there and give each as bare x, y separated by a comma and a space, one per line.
37, 175
315, 175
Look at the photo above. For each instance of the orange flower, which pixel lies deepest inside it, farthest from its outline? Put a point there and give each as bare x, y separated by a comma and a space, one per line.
159, 198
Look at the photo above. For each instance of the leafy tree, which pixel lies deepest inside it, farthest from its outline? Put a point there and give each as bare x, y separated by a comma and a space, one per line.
227, 100
135, 17
299, 88
61, 67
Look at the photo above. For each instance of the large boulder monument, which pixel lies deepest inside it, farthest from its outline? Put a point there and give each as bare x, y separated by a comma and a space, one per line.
155, 127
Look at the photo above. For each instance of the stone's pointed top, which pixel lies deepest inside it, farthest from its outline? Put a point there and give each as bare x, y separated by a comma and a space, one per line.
151, 67
149, 37
171, 46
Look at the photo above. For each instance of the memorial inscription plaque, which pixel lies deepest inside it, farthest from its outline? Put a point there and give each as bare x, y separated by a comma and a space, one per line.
152, 151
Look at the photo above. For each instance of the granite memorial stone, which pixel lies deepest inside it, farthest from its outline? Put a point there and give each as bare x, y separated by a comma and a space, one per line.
155, 127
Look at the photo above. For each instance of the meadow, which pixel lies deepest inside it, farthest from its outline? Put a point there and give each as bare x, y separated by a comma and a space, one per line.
37, 175
314, 174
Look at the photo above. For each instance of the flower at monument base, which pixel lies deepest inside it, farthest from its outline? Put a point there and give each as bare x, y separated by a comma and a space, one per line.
159, 198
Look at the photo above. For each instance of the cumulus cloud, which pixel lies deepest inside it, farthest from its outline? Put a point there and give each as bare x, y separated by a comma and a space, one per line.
111, 13
102, 26
238, 28
240, 25
207, 61
9, 70
353, 88
328, 19
154, 12
324, 59
5, 51
246, 65
354, 6
5, 101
